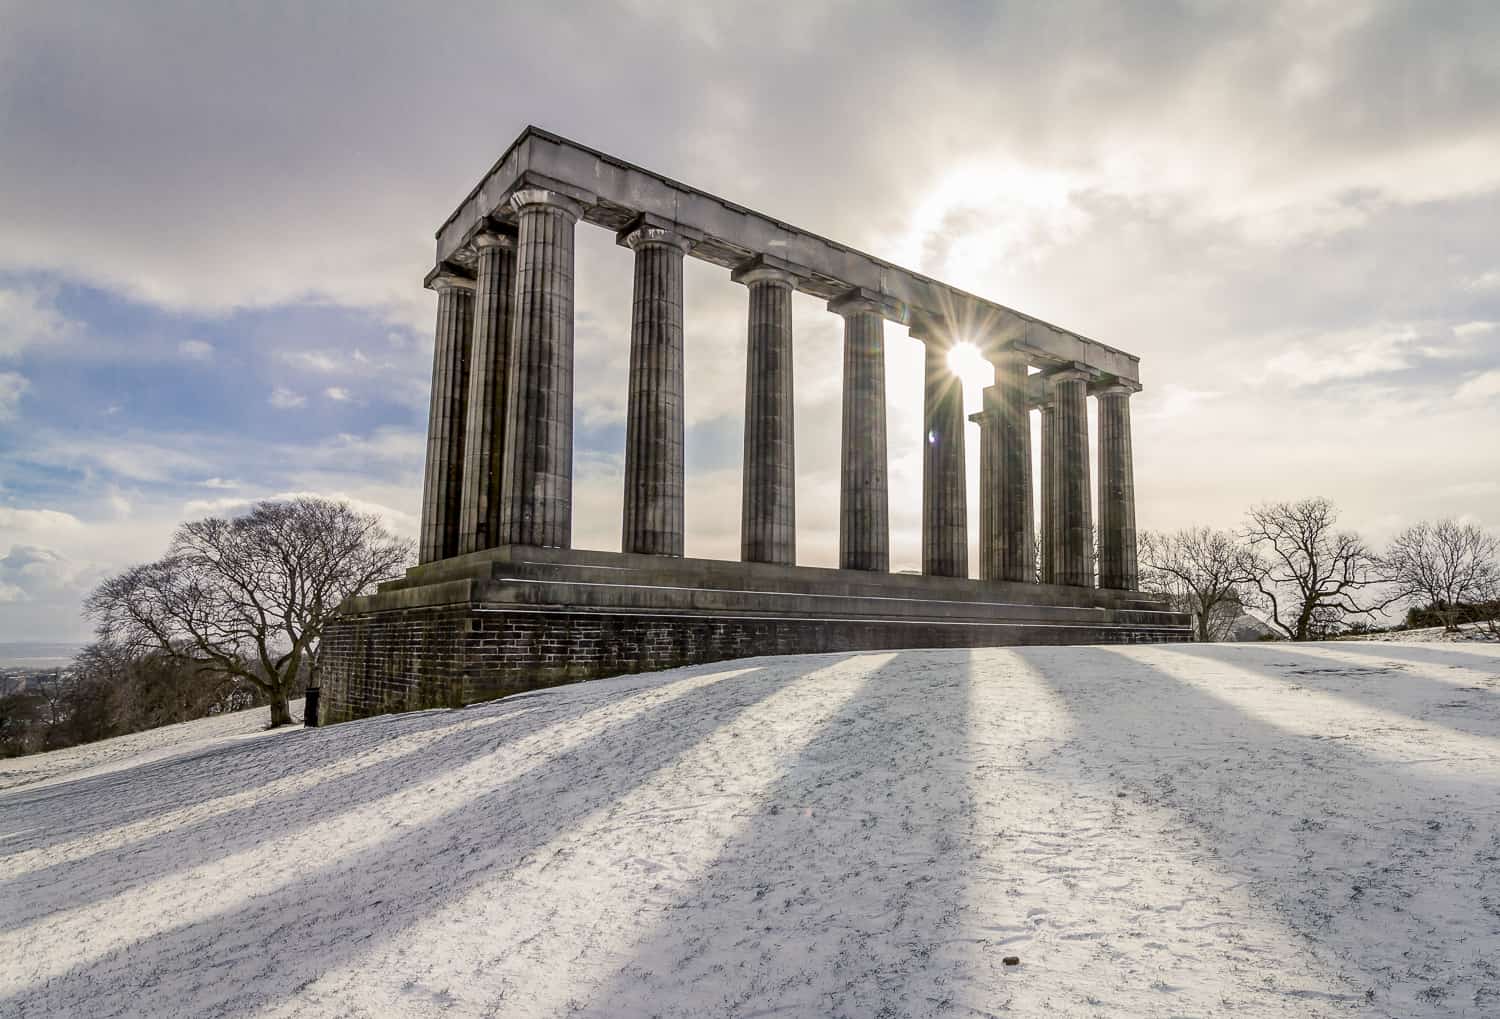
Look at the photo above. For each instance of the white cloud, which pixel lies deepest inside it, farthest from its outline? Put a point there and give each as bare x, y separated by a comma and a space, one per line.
40, 524
313, 360
1469, 329
284, 399
1315, 360
13, 386
396, 520
224, 483
196, 350
27, 318
1481, 388
338, 393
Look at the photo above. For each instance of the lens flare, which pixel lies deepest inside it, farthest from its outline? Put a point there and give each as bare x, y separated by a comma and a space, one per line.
965, 361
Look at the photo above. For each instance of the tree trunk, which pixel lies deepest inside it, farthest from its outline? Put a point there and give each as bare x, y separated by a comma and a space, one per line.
280, 713
1304, 621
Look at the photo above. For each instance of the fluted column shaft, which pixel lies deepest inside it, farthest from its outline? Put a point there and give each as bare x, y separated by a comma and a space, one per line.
1073, 561
1010, 544
864, 498
484, 442
989, 475
945, 527
537, 480
1117, 550
442, 482
1049, 491
654, 482
768, 498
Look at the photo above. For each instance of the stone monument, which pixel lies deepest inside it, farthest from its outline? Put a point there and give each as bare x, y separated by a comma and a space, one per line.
500, 601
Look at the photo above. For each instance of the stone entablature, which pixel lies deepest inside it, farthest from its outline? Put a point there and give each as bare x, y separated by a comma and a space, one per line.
613, 193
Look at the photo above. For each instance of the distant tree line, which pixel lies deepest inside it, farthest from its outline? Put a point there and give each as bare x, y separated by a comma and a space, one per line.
105, 693
231, 617
1310, 579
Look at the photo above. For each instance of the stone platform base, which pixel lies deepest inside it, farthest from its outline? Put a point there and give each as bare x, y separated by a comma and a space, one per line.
515, 618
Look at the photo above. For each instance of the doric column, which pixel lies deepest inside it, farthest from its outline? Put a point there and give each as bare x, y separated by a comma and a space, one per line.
442, 483
989, 475
1010, 543
1117, 561
654, 423
768, 498
484, 435
1049, 491
864, 500
945, 526
537, 483
1073, 557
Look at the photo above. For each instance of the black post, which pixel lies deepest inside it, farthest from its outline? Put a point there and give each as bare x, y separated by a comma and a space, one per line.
310, 708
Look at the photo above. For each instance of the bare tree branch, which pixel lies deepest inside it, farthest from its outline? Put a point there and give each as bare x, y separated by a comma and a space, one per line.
248, 597
1310, 575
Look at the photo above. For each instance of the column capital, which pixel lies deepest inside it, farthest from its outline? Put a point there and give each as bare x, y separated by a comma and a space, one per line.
932, 329
532, 197
446, 280
649, 228
1075, 371
860, 301
1006, 355
487, 239
1117, 387
765, 269
644, 235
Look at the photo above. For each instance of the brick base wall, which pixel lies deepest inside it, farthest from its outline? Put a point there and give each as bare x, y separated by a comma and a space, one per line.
447, 656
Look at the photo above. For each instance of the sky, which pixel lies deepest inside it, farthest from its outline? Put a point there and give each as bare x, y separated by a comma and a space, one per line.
215, 220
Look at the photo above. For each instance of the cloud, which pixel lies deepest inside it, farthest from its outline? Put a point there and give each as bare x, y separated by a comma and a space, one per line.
27, 319
313, 360
396, 520
43, 523
338, 393
1482, 388
1468, 329
284, 399
196, 350
13, 386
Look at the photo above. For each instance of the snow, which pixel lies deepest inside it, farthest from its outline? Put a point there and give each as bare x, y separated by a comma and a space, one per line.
137, 748
1262, 829
1437, 634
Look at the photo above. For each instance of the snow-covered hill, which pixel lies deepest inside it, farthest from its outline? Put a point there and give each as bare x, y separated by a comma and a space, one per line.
1257, 830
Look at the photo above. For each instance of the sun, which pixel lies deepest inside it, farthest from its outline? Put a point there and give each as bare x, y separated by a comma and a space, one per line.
965, 361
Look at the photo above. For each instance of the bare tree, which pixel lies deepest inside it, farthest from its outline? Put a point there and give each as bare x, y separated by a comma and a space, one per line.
1204, 571
248, 597
1309, 574
1444, 564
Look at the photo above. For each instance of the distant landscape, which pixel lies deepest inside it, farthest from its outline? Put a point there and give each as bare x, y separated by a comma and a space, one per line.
36, 654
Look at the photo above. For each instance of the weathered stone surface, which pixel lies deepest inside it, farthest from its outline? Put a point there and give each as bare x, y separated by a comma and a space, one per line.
612, 192
442, 483
537, 485
654, 430
500, 603
1049, 491
945, 521
1073, 557
768, 513
512, 619
1117, 547
1006, 544
489, 374
864, 497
